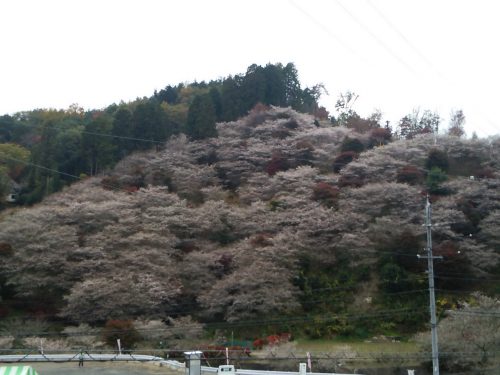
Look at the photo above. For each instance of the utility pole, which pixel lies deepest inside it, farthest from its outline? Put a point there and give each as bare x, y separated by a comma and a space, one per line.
432, 297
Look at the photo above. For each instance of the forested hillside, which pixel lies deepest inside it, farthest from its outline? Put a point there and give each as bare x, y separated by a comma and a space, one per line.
278, 217
242, 205
45, 149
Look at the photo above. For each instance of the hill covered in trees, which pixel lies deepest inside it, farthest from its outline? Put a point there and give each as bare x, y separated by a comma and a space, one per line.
278, 217
45, 149
241, 205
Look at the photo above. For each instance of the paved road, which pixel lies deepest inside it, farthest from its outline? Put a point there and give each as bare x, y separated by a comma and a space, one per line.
101, 368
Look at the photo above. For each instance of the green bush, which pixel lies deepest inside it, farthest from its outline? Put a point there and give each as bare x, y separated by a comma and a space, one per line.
437, 158
434, 180
352, 144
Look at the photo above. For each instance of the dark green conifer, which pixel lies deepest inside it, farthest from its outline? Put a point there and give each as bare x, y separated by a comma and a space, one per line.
201, 118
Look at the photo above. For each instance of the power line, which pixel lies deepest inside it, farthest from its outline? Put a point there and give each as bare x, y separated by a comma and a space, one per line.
376, 38
401, 35
262, 159
421, 55
385, 46
39, 166
464, 293
188, 311
122, 137
113, 187
188, 308
305, 319
439, 276
63, 128
254, 323
329, 32
483, 313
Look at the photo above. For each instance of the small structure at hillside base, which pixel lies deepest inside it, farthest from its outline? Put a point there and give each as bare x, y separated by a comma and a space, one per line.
17, 370
13, 192
11, 198
193, 362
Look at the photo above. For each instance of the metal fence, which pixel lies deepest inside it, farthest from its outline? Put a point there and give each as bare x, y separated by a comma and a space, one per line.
172, 364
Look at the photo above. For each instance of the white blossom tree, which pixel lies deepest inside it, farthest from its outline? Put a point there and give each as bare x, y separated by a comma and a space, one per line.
469, 337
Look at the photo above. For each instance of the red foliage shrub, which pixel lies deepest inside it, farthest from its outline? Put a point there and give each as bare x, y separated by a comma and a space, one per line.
186, 246
359, 124
351, 181
433, 198
446, 249
326, 193
410, 175
259, 107
278, 163
110, 183
454, 262
225, 261
304, 145
257, 115
273, 339
261, 240
130, 189
15, 171
485, 173
120, 329
41, 305
259, 343
4, 311
380, 136
321, 113
343, 159
5, 249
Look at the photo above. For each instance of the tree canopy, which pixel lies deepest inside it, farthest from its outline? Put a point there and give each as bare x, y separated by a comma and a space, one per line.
66, 145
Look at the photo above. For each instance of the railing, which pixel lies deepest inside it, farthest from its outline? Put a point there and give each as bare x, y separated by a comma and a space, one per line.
181, 366
76, 357
172, 364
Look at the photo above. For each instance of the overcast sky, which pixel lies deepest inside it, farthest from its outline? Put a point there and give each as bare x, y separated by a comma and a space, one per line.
396, 54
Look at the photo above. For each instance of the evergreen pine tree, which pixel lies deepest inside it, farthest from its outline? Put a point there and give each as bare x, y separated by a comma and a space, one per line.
122, 127
149, 123
201, 118
231, 99
217, 101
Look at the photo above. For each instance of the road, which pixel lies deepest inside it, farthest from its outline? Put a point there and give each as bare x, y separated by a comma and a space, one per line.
101, 368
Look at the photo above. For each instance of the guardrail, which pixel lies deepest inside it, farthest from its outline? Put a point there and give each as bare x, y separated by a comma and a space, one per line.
172, 364
181, 366
75, 357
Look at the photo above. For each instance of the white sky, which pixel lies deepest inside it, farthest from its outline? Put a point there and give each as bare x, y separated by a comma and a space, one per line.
396, 54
